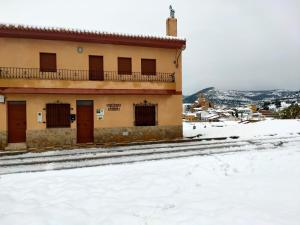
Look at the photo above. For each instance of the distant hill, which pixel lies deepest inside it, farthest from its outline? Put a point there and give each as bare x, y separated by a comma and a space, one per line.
236, 98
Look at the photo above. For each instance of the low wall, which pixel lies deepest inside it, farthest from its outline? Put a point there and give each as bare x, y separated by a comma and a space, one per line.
50, 137
3, 139
56, 137
129, 134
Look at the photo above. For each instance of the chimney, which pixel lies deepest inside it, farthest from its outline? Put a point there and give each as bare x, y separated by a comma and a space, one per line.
171, 23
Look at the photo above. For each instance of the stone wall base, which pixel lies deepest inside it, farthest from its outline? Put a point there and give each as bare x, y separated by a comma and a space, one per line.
59, 137
50, 137
3, 139
130, 134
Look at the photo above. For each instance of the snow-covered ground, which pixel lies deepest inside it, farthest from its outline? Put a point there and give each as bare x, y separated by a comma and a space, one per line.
264, 128
240, 188
248, 187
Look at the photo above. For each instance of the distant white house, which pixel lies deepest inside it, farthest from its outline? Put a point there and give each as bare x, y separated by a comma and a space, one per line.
186, 107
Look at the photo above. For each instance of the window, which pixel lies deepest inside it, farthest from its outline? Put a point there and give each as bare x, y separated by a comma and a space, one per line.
47, 62
148, 66
124, 66
145, 115
58, 115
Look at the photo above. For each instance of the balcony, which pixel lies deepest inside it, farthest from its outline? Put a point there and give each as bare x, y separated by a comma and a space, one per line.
83, 75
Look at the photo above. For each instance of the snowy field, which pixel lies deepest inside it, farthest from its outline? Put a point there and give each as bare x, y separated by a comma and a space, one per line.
240, 188
260, 129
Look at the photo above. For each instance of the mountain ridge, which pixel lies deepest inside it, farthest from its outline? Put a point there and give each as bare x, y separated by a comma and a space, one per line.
237, 97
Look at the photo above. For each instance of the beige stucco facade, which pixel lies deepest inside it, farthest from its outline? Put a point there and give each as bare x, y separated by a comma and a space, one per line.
168, 109
114, 126
24, 53
119, 121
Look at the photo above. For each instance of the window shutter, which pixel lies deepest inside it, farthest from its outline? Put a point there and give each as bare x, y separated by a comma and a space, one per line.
148, 66
47, 62
124, 66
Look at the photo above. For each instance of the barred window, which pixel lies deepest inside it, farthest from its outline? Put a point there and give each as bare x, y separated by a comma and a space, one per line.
145, 115
58, 115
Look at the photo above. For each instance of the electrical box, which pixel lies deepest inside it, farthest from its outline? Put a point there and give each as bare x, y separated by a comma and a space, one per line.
72, 118
39, 117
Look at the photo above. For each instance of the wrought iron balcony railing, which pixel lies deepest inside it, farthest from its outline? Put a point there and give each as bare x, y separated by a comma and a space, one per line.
81, 75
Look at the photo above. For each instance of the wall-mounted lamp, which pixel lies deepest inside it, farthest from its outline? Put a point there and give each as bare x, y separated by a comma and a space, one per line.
80, 49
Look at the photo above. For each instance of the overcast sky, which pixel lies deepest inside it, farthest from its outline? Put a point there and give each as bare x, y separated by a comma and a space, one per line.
231, 44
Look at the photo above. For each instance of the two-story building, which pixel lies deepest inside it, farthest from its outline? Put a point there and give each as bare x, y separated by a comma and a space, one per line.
61, 87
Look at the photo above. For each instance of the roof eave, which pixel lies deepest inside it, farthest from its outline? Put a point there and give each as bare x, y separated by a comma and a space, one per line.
94, 38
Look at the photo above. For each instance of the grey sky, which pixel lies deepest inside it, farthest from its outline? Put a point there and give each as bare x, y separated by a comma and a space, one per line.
231, 44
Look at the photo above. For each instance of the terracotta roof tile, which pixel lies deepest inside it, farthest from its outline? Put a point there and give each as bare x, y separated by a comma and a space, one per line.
82, 35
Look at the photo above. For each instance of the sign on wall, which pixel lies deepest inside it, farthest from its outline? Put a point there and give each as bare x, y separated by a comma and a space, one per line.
100, 114
2, 99
113, 107
39, 117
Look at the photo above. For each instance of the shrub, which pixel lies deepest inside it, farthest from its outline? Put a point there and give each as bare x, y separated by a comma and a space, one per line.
292, 112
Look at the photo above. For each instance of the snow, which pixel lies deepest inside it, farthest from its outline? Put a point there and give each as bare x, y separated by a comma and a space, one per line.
234, 128
245, 188
249, 187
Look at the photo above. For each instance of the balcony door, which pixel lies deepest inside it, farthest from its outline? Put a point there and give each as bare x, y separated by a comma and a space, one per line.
96, 67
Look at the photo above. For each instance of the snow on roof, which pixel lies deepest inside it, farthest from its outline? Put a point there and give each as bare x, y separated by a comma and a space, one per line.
243, 109
198, 108
190, 114
229, 110
272, 106
219, 110
210, 116
285, 105
226, 114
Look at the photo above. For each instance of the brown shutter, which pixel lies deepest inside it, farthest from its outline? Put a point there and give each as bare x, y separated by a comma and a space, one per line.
58, 115
124, 66
148, 66
47, 62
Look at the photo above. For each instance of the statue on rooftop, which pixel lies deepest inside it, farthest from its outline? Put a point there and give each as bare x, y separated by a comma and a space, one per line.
172, 12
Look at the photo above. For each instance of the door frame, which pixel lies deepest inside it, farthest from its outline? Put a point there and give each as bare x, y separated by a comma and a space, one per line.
7, 119
90, 103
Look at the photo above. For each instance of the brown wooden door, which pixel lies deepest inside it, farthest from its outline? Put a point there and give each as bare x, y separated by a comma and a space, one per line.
85, 122
16, 116
96, 67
